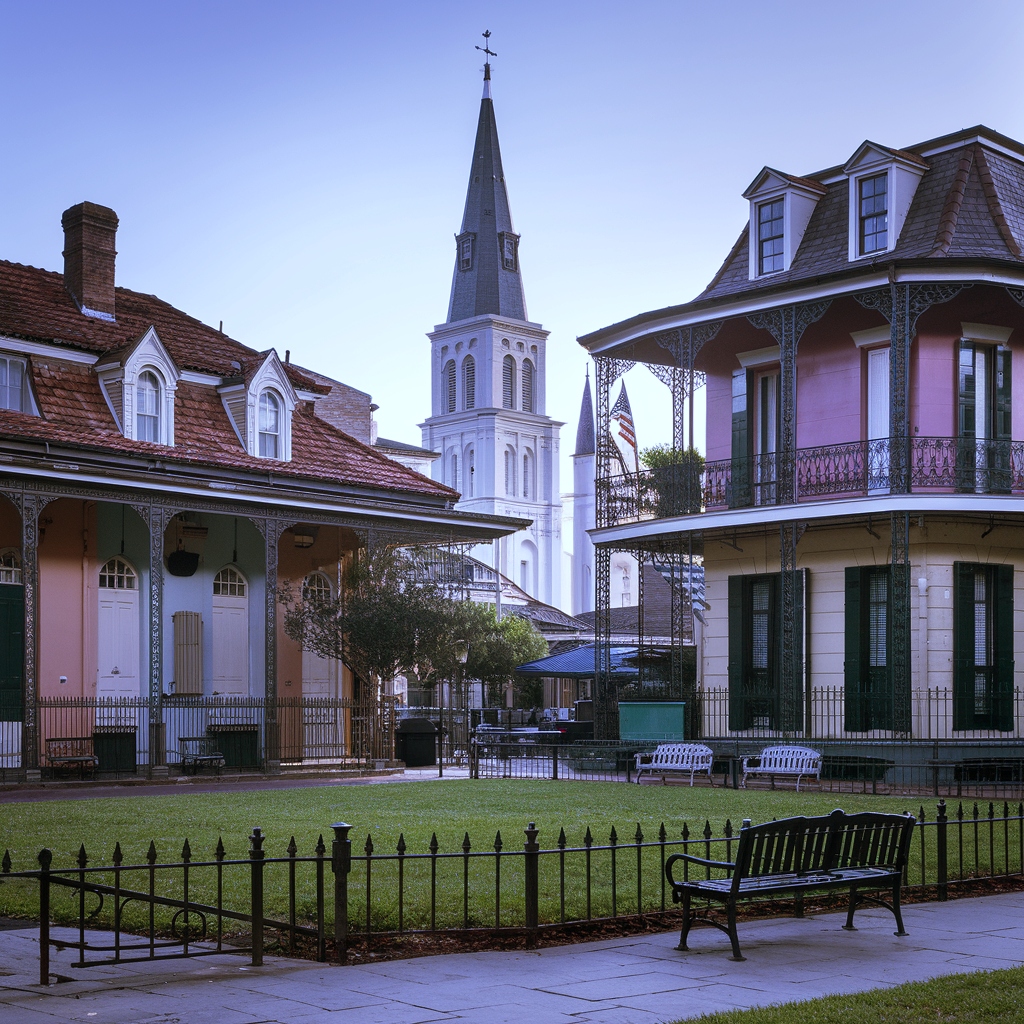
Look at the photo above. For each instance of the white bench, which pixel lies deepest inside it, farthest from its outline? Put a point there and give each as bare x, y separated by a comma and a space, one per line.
799, 761
670, 758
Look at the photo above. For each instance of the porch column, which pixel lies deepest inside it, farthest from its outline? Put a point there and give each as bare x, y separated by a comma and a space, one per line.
271, 529
29, 505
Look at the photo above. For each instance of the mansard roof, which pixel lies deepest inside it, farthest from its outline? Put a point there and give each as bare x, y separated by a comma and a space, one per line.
488, 286
969, 204
36, 307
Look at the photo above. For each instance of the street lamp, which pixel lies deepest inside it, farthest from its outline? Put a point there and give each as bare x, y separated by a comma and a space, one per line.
461, 650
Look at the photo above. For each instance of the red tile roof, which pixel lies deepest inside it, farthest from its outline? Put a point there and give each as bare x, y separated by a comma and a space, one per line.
34, 305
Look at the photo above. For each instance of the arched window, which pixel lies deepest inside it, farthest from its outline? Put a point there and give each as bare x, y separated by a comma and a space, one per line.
528, 386
449, 385
147, 407
454, 479
229, 582
469, 383
10, 565
529, 482
117, 574
510, 472
270, 426
508, 383
468, 471
316, 589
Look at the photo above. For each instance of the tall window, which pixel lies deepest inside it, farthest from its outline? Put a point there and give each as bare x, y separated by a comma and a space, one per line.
759, 696
984, 420
771, 236
12, 384
270, 425
869, 696
454, 481
147, 407
529, 476
469, 383
508, 382
510, 472
873, 213
468, 471
983, 646
449, 386
528, 386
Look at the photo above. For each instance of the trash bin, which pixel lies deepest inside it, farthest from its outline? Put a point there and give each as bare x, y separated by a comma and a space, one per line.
416, 742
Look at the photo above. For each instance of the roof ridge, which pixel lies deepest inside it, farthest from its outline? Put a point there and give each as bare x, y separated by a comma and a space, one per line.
995, 205
951, 209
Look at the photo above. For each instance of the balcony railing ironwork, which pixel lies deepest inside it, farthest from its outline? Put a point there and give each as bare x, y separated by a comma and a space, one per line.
939, 465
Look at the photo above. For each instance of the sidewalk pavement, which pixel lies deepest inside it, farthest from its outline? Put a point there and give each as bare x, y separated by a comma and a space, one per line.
640, 980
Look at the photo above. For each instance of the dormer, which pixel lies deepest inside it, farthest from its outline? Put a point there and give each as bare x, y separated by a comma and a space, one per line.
138, 384
780, 207
260, 403
882, 185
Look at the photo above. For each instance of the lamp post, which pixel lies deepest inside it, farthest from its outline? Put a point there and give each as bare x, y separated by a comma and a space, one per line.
461, 648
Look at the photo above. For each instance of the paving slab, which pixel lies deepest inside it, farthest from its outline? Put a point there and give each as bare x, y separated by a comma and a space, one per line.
641, 980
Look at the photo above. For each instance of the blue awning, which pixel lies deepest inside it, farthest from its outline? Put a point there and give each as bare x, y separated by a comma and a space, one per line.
579, 663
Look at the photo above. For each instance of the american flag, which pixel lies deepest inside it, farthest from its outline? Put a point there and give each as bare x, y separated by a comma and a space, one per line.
622, 415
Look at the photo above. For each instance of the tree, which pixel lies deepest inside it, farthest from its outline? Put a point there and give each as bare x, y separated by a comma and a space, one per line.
496, 654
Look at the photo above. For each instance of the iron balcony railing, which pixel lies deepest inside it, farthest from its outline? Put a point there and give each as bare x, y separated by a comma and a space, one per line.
937, 465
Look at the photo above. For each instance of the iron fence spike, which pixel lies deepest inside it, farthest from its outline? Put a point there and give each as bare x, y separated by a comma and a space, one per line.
466, 846
117, 854
401, 844
186, 851
151, 852
433, 843
292, 848
219, 852
82, 858
320, 848
561, 838
662, 834
6, 865
368, 847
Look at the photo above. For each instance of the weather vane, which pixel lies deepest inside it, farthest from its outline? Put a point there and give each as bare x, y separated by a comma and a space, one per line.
486, 49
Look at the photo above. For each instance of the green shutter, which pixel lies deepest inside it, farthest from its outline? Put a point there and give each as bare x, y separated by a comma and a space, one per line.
739, 495
737, 653
12, 651
853, 682
963, 645
966, 427
1002, 696
1000, 462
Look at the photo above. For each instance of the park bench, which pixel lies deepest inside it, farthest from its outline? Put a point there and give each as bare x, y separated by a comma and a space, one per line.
199, 752
66, 753
675, 758
859, 852
786, 761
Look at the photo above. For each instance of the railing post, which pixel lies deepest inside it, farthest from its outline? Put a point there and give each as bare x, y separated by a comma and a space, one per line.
256, 856
341, 864
554, 761
941, 848
531, 874
45, 858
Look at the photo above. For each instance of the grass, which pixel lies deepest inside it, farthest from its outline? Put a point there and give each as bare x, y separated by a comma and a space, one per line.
451, 810
982, 998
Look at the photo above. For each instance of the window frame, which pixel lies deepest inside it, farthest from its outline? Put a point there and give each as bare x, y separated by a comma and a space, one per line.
448, 381
780, 253
263, 432
509, 377
468, 383
153, 419
869, 697
24, 395
863, 218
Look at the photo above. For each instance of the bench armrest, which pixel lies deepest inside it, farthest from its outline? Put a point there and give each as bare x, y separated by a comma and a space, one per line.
725, 865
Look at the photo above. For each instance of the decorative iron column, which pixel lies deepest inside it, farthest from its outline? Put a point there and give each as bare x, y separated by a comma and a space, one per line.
30, 505
791, 691
271, 529
156, 517
902, 305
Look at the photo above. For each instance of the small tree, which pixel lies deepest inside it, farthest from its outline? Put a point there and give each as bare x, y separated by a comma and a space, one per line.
674, 479
496, 654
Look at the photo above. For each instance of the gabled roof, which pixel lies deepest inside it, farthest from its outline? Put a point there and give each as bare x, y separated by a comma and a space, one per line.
487, 287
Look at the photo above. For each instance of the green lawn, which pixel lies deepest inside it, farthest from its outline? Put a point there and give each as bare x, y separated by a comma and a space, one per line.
450, 809
984, 998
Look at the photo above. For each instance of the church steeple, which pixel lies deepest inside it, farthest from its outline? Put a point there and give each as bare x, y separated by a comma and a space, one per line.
585, 441
487, 279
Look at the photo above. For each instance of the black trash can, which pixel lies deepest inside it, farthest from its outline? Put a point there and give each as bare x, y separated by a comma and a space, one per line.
416, 742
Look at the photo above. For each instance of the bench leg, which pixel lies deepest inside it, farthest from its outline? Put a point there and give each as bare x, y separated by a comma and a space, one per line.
685, 930
853, 906
896, 909
733, 937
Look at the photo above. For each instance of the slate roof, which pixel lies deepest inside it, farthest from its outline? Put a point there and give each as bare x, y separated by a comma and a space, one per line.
968, 204
487, 287
35, 306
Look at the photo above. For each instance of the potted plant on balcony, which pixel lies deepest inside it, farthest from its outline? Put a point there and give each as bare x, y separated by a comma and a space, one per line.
673, 483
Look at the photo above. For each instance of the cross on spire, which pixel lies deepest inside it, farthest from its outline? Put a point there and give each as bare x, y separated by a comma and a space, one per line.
487, 52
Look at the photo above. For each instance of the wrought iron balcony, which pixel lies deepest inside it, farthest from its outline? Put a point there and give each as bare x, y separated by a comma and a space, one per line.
935, 465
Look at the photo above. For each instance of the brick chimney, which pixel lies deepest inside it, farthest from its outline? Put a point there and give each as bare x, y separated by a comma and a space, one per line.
89, 233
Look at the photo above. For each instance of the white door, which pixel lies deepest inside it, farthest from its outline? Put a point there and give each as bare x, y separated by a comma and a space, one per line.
766, 438
230, 633
118, 646
323, 719
878, 419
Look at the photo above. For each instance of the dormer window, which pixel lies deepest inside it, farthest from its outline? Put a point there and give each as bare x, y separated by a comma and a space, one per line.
147, 408
873, 213
771, 236
270, 426
13, 385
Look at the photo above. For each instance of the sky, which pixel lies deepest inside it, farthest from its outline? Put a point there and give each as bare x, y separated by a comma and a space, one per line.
298, 170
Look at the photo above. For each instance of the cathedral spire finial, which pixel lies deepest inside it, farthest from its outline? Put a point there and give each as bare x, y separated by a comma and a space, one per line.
487, 52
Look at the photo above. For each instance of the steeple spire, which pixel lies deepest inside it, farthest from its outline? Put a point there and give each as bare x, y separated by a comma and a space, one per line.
585, 441
487, 278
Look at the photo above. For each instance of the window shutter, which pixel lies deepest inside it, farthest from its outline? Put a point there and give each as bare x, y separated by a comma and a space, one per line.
449, 373
853, 666
1000, 462
966, 427
527, 386
469, 382
508, 383
963, 645
1002, 697
737, 653
739, 495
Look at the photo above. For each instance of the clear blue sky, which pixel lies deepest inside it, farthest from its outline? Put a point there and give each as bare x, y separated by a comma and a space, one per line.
298, 170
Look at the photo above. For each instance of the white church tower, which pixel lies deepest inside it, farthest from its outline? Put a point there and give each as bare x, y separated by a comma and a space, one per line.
488, 422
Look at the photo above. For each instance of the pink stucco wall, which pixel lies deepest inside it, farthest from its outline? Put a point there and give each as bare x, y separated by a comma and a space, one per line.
829, 392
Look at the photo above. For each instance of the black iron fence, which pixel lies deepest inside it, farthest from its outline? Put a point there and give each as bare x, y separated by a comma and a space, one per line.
320, 903
936, 464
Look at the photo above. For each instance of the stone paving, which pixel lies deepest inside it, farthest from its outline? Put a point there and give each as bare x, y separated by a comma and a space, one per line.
640, 980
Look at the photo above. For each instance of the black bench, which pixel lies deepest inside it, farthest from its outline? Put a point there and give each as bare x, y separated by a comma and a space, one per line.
199, 752
857, 852
67, 753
